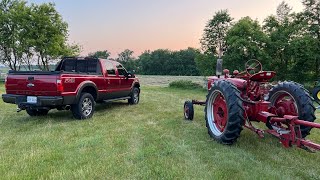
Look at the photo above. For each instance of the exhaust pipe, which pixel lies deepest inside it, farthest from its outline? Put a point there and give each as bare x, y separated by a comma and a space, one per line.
67, 107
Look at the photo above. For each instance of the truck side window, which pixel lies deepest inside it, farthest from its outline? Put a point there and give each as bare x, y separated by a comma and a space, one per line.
121, 70
110, 69
69, 65
92, 66
82, 66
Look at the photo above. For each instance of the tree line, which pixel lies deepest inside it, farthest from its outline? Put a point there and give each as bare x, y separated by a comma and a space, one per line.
157, 62
32, 34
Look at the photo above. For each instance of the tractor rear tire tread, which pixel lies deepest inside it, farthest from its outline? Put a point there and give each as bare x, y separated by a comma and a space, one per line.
235, 112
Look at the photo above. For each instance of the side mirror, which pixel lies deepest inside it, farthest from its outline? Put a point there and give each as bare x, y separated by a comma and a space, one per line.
219, 67
130, 75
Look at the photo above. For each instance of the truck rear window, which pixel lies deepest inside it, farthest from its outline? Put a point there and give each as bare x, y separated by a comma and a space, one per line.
81, 66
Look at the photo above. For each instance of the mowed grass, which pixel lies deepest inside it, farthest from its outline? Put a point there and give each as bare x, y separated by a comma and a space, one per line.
146, 141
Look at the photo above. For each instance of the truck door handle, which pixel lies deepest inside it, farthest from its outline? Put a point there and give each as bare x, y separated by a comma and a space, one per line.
30, 85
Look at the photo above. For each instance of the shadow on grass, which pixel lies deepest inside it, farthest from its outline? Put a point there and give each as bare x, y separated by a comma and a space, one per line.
55, 116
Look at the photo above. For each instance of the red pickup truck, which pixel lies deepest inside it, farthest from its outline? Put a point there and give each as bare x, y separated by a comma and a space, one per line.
76, 84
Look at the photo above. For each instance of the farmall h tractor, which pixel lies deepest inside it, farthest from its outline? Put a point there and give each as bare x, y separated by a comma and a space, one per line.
236, 100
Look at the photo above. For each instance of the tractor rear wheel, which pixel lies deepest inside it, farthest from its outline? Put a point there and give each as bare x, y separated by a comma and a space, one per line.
224, 112
290, 98
316, 93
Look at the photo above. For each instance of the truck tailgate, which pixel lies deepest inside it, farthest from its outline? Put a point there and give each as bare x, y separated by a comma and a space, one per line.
44, 84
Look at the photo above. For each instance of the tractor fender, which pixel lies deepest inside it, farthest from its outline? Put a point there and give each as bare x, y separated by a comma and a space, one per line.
239, 83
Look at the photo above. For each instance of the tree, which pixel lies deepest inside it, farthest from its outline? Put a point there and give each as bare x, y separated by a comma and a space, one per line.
127, 59
32, 34
213, 39
166, 62
156, 62
100, 54
281, 30
206, 64
311, 16
245, 41
125, 56
183, 62
12, 25
48, 34
283, 11
144, 63
302, 62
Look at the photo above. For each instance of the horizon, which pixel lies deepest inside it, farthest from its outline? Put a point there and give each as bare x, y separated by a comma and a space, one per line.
116, 25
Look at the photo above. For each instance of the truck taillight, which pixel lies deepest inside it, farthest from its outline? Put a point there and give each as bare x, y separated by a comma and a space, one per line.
59, 85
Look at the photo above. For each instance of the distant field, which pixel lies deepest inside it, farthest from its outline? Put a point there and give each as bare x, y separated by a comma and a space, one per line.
4, 70
165, 80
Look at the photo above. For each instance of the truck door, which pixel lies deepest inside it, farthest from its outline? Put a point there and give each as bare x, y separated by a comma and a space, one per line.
112, 80
125, 82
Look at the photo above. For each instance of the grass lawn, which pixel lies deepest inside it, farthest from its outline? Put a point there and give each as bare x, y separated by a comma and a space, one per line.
147, 141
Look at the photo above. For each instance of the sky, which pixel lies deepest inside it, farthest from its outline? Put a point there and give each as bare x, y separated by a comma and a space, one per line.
139, 25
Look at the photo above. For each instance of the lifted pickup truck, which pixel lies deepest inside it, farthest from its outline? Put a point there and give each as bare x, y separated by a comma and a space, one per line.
76, 84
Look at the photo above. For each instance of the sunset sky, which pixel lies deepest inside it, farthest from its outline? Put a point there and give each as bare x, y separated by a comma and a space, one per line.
141, 25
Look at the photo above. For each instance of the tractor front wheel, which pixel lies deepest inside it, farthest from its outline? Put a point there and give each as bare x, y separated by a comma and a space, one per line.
188, 110
224, 112
290, 98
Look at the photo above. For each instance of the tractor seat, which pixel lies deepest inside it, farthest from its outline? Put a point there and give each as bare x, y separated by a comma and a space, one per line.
263, 76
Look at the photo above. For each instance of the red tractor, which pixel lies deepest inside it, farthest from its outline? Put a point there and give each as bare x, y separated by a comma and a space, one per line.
236, 100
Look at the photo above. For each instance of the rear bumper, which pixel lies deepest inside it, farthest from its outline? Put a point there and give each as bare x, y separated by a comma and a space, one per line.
42, 101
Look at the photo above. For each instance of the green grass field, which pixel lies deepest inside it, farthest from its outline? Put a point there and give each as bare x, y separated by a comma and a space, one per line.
147, 141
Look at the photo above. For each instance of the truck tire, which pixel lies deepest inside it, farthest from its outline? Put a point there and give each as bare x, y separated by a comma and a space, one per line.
188, 110
224, 112
316, 93
290, 98
37, 112
85, 107
134, 96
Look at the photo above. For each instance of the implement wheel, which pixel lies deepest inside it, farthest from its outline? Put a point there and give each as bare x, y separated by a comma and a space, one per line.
224, 112
290, 98
188, 110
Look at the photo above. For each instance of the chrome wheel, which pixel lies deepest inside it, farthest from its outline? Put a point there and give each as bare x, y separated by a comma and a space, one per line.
86, 106
136, 96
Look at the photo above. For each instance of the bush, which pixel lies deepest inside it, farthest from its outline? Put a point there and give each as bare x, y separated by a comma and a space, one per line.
309, 86
185, 84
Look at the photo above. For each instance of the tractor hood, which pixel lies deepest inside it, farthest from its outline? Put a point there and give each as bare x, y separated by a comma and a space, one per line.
239, 83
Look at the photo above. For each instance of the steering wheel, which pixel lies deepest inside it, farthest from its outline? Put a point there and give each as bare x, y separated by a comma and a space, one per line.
253, 66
